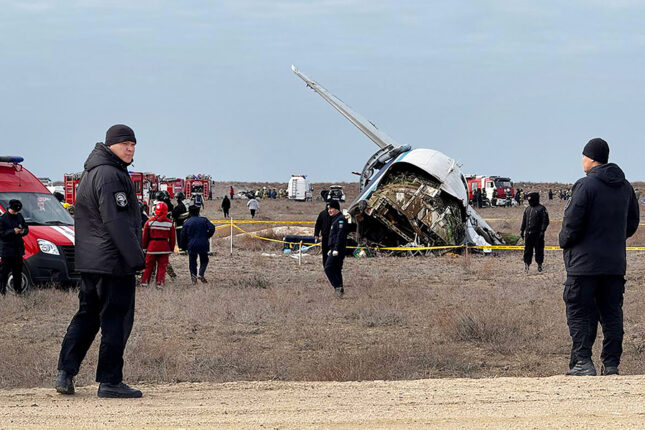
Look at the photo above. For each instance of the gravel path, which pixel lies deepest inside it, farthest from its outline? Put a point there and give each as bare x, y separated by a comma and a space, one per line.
546, 403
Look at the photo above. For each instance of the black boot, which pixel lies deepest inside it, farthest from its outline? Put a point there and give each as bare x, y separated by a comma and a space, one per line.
583, 368
120, 391
609, 370
64, 383
539, 267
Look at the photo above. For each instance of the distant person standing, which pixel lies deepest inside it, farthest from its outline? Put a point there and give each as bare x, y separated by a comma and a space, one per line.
550, 194
179, 216
231, 192
158, 243
108, 254
226, 206
602, 213
321, 232
253, 206
198, 200
195, 234
337, 247
12, 247
534, 224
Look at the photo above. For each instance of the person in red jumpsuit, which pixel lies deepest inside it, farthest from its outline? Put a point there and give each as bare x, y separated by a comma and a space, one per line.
158, 243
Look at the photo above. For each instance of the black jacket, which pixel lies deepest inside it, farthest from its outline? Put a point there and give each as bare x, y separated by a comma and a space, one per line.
338, 234
107, 217
226, 203
11, 244
195, 234
179, 214
536, 217
323, 224
601, 214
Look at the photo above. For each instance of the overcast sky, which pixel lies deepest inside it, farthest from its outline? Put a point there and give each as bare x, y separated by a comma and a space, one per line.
510, 88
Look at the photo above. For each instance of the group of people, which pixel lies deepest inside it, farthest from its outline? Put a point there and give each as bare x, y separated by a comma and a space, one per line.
111, 247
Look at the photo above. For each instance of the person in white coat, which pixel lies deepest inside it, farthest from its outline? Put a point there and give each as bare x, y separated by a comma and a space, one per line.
253, 206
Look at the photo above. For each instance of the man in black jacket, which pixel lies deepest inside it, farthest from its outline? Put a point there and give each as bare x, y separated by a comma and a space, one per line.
321, 232
534, 224
12, 229
108, 254
601, 214
226, 206
179, 216
337, 247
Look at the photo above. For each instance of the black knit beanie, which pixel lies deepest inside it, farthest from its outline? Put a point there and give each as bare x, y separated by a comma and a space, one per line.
334, 204
597, 149
15, 205
119, 133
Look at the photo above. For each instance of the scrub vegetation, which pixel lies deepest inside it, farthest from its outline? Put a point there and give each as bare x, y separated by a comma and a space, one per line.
269, 318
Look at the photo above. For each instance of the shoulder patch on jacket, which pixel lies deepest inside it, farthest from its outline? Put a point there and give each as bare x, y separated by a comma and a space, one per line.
121, 199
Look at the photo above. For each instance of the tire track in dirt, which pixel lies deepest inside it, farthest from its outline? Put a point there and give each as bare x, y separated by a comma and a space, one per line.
547, 403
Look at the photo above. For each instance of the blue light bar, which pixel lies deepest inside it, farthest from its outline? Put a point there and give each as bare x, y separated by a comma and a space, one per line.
11, 159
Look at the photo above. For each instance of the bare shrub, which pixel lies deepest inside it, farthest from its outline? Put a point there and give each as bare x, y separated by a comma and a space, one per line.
256, 280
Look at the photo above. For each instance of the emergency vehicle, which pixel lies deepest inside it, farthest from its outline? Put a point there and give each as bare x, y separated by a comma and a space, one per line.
49, 246
71, 181
141, 187
498, 190
152, 180
173, 186
200, 184
299, 188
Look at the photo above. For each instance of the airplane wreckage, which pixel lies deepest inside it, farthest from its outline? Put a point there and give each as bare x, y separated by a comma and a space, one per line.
409, 197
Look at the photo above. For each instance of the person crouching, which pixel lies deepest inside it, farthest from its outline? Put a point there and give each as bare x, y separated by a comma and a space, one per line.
195, 234
158, 243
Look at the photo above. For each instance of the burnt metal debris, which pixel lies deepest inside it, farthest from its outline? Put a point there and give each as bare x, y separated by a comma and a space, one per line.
409, 197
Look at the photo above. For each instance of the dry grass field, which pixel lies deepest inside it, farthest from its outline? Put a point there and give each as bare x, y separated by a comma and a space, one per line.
264, 318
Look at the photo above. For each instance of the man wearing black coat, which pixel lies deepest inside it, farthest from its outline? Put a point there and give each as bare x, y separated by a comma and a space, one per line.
226, 206
337, 247
108, 254
601, 214
321, 232
12, 229
534, 224
179, 216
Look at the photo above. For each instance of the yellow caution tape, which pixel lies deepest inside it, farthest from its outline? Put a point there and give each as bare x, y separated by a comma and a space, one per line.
227, 223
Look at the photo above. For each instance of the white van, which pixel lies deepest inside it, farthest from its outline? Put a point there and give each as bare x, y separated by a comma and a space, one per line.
299, 188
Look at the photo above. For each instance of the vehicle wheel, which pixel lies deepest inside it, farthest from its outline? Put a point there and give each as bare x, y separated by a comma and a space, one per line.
27, 284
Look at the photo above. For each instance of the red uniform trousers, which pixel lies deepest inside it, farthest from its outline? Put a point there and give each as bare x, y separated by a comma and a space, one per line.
161, 262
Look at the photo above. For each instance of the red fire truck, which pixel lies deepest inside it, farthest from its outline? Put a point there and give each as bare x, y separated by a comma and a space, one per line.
498, 190
197, 184
152, 180
49, 246
172, 185
71, 184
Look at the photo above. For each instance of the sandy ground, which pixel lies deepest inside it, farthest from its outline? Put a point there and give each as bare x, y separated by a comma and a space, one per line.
546, 403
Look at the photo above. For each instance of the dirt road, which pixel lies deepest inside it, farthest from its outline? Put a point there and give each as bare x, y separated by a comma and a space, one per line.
555, 402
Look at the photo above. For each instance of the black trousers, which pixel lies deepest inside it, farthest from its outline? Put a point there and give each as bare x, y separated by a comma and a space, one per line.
589, 300
192, 263
534, 241
105, 302
11, 265
225, 213
325, 249
334, 270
